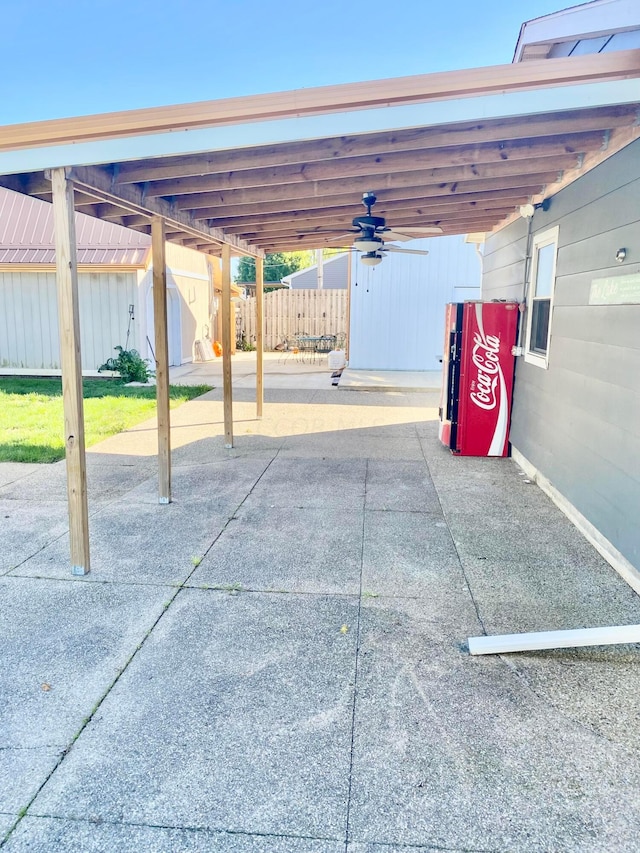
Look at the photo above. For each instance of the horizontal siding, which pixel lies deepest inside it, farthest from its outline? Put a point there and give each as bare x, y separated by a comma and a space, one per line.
588, 460
334, 275
579, 421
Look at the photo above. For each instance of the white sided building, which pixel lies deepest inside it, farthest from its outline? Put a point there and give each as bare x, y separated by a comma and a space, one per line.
397, 307
114, 281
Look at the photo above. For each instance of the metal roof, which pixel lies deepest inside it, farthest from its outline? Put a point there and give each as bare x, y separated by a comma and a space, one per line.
27, 237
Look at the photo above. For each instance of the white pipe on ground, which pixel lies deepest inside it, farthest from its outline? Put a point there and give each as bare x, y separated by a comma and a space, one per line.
554, 640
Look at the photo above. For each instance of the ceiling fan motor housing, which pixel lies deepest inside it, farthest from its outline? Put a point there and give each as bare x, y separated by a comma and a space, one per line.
370, 223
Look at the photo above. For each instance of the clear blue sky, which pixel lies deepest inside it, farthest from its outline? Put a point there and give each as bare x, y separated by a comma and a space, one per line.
73, 57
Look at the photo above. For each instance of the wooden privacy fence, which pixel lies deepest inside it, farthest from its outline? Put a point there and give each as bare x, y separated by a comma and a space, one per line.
294, 312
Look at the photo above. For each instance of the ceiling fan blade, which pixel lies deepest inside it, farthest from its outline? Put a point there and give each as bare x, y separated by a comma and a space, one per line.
403, 234
404, 251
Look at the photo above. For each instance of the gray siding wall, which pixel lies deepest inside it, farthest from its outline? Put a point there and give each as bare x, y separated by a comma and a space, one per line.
579, 421
334, 276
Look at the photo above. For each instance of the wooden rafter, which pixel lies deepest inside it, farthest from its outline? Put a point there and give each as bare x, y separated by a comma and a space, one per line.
484, 177
345, 203
461, 156
97, 182
340, 224
376, 144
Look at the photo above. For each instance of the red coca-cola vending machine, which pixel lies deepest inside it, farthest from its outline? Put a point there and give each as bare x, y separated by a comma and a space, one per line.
477, 377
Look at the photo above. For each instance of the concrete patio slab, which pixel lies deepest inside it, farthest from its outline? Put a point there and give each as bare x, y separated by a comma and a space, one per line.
236, 715
319, 483
136, 543
390, 380
469, 757
26, 527
64, 644
258, 722
10, 472
7, 820
269, 548
219, 485
41, 835
354, 444
106, 480
282, 371
400, 486
411, 555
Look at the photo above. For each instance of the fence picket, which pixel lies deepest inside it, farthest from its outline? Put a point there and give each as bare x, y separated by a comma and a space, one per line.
295, 312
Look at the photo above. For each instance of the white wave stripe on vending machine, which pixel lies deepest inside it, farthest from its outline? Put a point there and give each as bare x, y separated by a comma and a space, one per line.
486, 360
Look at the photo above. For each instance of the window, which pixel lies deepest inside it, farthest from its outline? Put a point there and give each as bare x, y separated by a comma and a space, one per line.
540, 297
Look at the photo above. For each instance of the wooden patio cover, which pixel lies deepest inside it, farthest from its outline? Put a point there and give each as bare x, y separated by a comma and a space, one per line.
302, 192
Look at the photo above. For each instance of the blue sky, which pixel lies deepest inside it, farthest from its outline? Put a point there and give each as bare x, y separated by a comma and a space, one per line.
73, 57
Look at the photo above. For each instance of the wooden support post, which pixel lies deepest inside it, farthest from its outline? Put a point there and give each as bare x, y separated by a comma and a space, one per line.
351, 260
69, 322
577, 638
259, 336
162, 358
226, 345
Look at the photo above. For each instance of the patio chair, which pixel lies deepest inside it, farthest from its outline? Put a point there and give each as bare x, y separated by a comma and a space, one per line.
325, 344
307, 345
291, 349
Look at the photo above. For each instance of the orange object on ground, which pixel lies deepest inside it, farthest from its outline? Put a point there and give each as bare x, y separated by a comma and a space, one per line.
217, 348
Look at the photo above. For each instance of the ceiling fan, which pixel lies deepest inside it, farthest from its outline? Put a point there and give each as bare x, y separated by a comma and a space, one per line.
372, 232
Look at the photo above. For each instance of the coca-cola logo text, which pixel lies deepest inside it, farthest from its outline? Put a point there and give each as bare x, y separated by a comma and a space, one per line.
487, 362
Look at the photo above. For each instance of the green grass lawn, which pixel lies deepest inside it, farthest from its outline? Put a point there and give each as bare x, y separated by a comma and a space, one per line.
31, 418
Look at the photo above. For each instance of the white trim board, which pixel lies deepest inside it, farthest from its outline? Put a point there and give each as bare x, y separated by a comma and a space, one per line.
606, 549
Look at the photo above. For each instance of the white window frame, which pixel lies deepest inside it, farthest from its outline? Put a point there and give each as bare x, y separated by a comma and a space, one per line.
540, 241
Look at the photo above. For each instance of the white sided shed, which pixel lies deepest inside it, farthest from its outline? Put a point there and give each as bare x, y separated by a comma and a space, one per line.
114, 291
111, 260
397, 307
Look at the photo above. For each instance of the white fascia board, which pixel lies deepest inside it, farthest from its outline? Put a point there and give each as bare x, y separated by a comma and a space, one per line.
378, 120
590, 19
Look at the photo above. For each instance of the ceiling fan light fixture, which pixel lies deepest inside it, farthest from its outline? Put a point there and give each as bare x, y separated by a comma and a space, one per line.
367, 244
371, 259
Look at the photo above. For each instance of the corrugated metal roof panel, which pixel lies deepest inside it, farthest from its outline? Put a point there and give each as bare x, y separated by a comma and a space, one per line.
27, 224
131, 257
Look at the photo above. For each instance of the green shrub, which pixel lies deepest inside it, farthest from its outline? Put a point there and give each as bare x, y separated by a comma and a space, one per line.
129, 364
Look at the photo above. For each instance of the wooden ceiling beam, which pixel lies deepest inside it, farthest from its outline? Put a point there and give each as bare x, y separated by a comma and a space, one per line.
421, 183
338, 216
452, 162
339, 238
352, 206
336, 148
134, 220
425, 88
96, 181
472, 227
296, 229
324, 239
81, 200
111, 212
